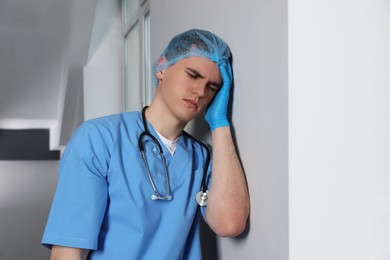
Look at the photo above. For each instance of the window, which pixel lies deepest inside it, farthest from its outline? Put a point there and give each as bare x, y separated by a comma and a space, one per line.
137, 66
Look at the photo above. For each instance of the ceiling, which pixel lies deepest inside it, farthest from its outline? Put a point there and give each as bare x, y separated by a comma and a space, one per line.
42, 42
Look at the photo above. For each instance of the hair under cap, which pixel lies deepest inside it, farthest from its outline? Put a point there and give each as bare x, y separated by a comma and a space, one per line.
194, 42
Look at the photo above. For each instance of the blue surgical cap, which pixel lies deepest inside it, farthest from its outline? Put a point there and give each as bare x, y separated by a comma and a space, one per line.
194, 42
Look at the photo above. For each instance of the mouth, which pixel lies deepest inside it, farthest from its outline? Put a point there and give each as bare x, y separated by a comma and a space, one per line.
191, 104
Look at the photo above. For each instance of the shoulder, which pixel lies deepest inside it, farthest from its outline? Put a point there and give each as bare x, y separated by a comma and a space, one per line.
98, 135
106, 128
110, 124
114, 120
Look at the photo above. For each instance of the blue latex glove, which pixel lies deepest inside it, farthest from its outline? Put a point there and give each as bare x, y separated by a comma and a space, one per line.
216, 114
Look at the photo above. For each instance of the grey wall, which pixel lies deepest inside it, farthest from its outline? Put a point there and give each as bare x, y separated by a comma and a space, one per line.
256, 31
26, 192
257, 34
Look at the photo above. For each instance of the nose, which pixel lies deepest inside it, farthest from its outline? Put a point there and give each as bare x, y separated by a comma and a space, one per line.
200, 88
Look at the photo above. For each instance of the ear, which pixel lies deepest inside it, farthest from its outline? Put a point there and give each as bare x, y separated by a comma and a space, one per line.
159, 74
160, 62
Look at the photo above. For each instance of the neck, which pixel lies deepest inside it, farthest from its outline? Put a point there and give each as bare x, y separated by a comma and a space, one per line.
164, 122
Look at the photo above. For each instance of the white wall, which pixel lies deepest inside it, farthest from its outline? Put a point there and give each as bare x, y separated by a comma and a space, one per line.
339, 142
26, 192
103, 74
256, 31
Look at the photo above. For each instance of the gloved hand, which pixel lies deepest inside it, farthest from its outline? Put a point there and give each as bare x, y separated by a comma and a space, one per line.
216, 114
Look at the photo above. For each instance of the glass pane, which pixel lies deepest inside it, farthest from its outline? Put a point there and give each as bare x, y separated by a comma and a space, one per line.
133, 92
149, 85
131, 7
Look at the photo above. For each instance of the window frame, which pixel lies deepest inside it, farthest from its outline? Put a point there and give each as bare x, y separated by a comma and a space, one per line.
140, 17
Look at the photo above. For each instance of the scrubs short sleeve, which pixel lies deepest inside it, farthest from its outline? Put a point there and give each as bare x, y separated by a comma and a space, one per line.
81, 197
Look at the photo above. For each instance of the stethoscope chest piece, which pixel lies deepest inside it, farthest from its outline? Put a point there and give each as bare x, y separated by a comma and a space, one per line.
201, 198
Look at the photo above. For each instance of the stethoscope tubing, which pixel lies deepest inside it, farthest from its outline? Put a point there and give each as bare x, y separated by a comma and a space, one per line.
204, 184
202, 195
142, 150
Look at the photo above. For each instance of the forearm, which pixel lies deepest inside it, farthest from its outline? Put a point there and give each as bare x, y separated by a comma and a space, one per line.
228, 204
68, 253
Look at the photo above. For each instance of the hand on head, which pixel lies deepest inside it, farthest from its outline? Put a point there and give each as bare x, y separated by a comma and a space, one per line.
216, 114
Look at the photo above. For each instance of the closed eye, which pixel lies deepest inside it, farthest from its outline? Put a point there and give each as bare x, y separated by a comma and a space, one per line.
214, 87
193, 74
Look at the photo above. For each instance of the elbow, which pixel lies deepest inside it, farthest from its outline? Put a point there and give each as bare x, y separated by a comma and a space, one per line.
229, 227
230, 231
228, 220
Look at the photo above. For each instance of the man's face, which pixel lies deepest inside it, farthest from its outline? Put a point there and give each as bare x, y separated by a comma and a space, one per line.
188, 86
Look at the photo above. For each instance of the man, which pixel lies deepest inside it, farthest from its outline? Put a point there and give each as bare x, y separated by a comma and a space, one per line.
122, 195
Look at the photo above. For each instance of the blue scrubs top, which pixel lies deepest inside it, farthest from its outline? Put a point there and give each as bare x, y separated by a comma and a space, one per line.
103, 197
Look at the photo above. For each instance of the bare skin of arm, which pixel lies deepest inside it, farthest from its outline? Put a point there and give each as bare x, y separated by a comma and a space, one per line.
68, 253
228, 203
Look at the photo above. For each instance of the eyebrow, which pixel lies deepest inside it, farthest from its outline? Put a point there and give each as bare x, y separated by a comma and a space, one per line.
197, 74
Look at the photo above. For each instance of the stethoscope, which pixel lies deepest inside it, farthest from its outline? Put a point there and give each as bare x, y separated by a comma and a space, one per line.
201, 196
